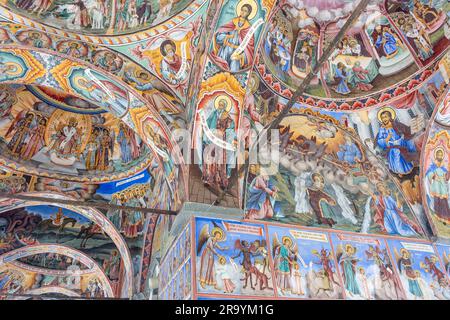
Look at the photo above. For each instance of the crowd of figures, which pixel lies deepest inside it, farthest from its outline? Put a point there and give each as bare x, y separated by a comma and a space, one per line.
16, 282
373, 49
72, 141
130, 223
308, 263
97, 15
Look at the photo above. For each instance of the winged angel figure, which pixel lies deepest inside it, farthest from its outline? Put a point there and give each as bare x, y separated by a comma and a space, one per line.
285, 261
209, 242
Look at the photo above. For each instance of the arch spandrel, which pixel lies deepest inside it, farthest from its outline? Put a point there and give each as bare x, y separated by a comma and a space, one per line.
78, 219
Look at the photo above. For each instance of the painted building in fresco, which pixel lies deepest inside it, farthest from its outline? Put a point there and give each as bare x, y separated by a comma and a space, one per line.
135, 163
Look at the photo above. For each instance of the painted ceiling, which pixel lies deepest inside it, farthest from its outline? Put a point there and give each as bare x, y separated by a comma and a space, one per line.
151, 104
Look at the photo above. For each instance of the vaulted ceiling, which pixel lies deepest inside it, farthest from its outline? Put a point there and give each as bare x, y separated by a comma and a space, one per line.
150, 104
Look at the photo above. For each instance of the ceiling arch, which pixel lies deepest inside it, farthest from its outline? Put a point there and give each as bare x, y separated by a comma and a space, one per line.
49, 133
92, 215
163, 15
40, 67
13, 255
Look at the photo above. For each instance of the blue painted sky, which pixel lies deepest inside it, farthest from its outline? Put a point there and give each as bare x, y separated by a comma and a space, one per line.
231, 237
107, 189
46, 211
305, 247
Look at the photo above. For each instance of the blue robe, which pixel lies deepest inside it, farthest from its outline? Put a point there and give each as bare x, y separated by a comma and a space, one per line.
258, 196
342, 86
349, 275
396, 161
348, 153
390, 46
392, 220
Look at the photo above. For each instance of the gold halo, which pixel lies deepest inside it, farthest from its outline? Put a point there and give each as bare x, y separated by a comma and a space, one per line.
253, 83
286, 238
252, 3
223, 97
220, 231
17, 71
439, 149
77, 80
388, 109
402, 250
349, 246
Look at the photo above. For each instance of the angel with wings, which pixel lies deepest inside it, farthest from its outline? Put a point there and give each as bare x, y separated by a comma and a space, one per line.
285, 254
429, 265
405, 263
348, 261
208, 241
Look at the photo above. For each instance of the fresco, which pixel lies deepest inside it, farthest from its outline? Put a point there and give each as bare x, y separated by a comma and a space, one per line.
39, 135
47, 224
420, 270
16, 280
420, 23
98, 16
366, 268
175, 273
232, 258
435, 179
326, 179
361, 71
444, 253
304, 264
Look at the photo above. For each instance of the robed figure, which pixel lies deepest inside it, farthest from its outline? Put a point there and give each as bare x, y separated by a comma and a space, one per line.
261, 198
438, 181
348, 262
230, 37
67, 139
209, 242
390, 216
220, 126
395, 138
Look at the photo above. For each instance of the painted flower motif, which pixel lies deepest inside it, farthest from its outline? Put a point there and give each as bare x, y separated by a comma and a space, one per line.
413, 83
385, 96
277, 87
261, 69
344, 106
332, 105
357, 105
321, 104
371, 102
268, 78
287, 93
400, 90
310, 101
